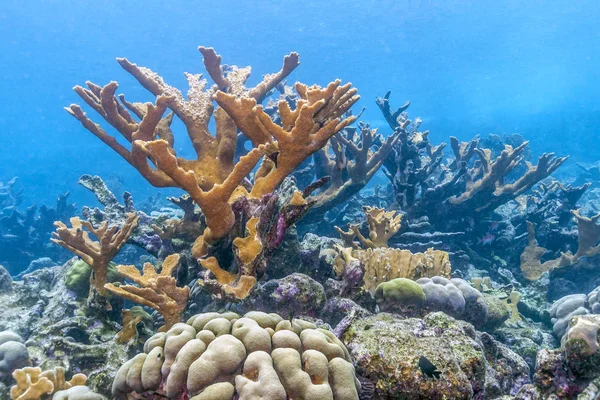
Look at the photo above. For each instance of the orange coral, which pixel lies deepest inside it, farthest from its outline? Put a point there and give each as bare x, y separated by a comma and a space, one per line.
157, 291
95, 254
247, 250
306, 129
213, 179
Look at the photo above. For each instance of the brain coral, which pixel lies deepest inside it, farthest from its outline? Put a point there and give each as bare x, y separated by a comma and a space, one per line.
224, 356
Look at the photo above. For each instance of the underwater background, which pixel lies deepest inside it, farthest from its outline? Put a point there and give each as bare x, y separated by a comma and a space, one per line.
406, 207
468, 67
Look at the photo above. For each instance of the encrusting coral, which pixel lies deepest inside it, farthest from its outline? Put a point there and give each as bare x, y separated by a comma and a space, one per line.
97, 254
157, 290
33, 384
224, 356
213, 179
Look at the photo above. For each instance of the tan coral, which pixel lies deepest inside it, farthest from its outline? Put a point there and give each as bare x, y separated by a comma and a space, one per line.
588, 235
349, 176
96, 254
382, 226
130, 320
385, 264
512, 303
531, 264
490, 174
247, 249
33, 384
158, 291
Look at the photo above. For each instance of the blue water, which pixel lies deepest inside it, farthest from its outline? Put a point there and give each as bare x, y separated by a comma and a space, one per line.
469, 67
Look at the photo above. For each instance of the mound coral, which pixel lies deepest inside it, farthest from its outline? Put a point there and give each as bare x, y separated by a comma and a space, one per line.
13, 353
225, 356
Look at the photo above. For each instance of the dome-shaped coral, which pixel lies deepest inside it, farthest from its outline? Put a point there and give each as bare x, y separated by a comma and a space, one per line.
258, 356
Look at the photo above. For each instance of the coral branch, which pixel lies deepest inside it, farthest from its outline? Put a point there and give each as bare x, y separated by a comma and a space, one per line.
97, 254
157, 290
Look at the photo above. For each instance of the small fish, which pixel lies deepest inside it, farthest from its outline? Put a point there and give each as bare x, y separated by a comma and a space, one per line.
487, 239
428, 368
273, 157
494, 225
292, 316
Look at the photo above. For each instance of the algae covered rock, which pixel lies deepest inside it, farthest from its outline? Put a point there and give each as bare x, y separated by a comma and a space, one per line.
498, 312
224, 356
78, 277
581, 345
400, 295
296, 294
436, 357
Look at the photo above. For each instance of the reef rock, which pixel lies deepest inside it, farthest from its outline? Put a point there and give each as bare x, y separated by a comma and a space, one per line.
432, 358
296, 294
47, 315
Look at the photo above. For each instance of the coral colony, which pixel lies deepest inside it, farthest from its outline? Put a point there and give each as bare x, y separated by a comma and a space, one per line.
279, 274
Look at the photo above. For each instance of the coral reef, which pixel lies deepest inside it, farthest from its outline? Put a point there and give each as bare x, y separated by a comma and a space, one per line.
423, 295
